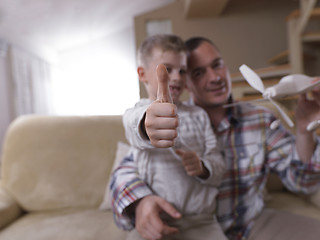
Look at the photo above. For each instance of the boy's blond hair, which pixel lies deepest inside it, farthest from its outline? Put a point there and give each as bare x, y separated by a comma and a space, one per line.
164, 42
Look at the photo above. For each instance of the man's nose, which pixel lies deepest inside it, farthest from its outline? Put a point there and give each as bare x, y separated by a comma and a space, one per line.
212, 74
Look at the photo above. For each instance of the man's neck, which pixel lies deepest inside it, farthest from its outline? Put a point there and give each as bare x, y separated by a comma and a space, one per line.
216, 115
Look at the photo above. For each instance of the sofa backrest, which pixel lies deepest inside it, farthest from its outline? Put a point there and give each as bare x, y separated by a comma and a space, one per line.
55, 162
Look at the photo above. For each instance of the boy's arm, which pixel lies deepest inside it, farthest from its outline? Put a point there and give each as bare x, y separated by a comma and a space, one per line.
151, 125
161, 119
133, 122
208, 166
212, 157
154, 124
192, 164
133, 203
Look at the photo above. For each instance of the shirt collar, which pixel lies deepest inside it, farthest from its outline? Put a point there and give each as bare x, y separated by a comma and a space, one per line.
232, 116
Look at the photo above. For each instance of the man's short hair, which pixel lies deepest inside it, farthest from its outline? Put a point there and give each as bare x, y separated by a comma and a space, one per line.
195, 42
164, 42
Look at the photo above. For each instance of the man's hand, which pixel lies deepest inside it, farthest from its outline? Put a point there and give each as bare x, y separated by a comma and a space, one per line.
192, 164
148, 221
161, 119
308, 109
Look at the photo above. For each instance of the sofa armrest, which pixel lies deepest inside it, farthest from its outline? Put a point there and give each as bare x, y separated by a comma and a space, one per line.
9, 208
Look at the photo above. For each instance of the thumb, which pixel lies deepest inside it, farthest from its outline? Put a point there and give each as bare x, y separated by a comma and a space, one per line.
163, 95
180, 152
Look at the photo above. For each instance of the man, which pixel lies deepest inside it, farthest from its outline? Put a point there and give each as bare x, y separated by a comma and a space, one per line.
250, 148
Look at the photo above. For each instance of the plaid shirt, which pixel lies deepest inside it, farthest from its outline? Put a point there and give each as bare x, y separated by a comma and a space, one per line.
252, 150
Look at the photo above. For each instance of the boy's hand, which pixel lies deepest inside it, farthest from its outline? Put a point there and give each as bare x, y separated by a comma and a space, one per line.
192, 164
161, 119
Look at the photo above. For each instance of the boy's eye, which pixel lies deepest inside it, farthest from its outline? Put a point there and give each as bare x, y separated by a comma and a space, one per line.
182, 72
169, 69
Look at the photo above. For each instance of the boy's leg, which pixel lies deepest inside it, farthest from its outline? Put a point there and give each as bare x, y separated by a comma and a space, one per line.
279, 225
206, 232
201, 226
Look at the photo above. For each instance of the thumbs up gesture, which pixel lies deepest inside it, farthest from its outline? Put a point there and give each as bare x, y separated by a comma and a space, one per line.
161, 119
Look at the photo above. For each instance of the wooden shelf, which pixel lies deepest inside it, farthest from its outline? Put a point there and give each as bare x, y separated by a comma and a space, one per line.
281, 58
315, 13
311, 37
204, 8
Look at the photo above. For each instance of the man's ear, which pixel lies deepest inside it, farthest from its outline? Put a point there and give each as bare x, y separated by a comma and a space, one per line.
142, 74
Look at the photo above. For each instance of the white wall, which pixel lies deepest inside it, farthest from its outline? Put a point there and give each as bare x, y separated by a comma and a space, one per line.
99, 77
110, 78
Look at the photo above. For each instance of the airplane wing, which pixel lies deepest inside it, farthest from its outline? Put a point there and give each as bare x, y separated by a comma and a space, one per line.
302, 85
293, 85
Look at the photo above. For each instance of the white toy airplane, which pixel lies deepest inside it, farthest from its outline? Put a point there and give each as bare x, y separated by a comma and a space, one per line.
288, 85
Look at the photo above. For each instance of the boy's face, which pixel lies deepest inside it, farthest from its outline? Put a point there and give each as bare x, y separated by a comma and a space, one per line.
176, 64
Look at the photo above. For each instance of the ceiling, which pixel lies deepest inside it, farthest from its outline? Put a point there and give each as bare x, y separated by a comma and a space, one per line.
62, 24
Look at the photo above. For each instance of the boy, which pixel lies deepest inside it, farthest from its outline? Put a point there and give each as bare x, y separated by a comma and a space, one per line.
188, 175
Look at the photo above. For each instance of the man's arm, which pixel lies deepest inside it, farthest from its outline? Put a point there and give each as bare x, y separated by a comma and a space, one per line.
148, 221
308, 110
133, 202
283, 158
126, 190
134, 205
302, 171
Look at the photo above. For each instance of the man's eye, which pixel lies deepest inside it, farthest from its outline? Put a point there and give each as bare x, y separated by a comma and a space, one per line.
169, 69
197, 73
218, 65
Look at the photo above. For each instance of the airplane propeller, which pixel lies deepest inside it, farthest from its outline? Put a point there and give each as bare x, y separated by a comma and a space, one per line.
255, 81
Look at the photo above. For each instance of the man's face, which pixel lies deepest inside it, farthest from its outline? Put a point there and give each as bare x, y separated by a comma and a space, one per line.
176, 64
209, 80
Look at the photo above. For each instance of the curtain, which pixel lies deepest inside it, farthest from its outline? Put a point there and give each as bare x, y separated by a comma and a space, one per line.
31, 78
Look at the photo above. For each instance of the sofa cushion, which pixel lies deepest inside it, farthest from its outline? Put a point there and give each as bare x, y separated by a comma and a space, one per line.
55, 162
9, 209
294, 203
315, 199
64, 225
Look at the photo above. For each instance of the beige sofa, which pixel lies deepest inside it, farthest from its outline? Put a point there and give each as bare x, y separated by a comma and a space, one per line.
54, 175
